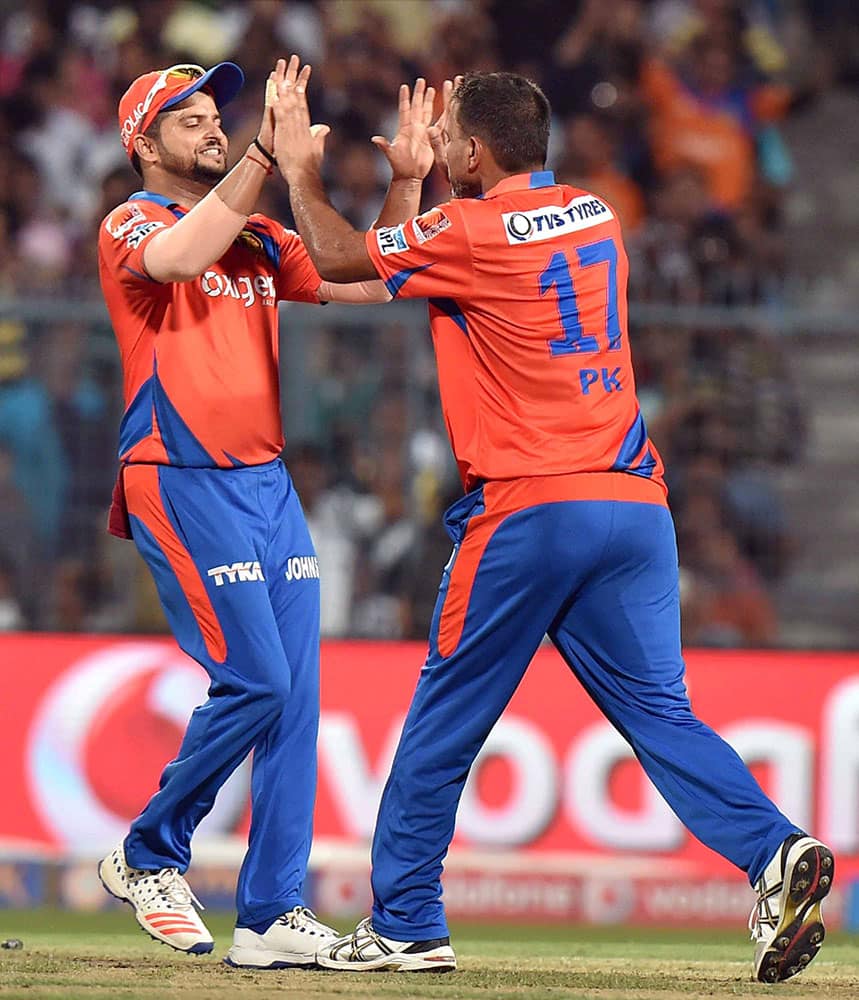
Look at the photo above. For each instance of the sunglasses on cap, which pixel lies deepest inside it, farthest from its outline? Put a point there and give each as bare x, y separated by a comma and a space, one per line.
181, 71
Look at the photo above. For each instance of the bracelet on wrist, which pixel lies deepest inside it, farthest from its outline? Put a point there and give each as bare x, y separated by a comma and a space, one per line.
269, 156
260, 163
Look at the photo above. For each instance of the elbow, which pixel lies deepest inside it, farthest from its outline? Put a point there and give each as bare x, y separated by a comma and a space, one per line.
338, 271
185, 274
170, 269
175, 276
343, 265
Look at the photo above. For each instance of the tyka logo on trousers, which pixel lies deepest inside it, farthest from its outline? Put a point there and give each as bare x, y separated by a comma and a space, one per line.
302, 568
237, 572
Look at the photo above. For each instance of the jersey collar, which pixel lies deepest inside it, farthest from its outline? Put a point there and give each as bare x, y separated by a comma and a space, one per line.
159, 199
522, 182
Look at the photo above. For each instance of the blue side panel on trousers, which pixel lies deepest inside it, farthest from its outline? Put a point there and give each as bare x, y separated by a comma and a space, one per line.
605, 589
264, 697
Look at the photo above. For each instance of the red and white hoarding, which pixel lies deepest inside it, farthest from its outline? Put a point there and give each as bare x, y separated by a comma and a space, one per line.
557, 821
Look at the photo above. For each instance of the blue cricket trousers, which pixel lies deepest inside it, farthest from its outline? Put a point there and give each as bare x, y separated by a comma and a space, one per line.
599, 577
237, 575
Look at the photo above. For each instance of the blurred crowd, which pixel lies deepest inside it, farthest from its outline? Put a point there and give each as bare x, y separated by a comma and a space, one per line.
672, 110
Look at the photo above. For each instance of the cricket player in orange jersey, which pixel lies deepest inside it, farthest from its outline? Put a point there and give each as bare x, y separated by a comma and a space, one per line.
192, 278
563, 530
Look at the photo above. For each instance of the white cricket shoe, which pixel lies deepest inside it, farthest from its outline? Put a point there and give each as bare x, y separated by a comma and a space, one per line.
786, 922
366, 951
292, 939
162, 901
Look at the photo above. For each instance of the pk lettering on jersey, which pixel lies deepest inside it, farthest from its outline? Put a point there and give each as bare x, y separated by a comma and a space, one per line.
237, 572
247, 287
391, 240
551, 220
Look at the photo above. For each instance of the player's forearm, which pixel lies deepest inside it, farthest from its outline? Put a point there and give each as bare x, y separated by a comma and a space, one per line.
403, 201
357, 293
337, 250
198, 239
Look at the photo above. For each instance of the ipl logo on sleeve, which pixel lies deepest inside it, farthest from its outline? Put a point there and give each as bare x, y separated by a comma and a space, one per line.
391, 240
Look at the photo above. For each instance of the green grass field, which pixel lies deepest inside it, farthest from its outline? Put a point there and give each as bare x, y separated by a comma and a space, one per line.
79, 957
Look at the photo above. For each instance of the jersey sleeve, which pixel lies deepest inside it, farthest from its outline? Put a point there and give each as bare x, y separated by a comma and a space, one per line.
427, 257
297, 277
123, 236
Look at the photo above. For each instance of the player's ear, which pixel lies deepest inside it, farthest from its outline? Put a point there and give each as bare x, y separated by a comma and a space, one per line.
145, 149
475, 152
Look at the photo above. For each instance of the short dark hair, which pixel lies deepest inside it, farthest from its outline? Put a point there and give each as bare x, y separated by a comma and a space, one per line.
153, 133
509, 113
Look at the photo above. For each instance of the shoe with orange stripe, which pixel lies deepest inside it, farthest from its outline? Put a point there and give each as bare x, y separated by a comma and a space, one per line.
786, 923
162, 901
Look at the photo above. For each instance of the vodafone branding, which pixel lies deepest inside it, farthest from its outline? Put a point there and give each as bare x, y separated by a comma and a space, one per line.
91, 722
100, 733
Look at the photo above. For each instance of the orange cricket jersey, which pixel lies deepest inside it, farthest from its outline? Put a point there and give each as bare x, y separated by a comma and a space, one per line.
527, 301
200, 357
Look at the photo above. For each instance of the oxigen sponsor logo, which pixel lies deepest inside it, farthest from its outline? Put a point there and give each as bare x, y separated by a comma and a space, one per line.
247, 287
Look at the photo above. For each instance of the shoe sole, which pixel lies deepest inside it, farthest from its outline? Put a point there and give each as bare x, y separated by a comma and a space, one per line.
249, 958
201, 948
800, 931
392, 963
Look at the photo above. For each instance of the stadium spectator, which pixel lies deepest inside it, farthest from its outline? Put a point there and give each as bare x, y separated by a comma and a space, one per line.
342, 522
28, 430
11, 616
705, 116
81, 412
590, 162
19, 566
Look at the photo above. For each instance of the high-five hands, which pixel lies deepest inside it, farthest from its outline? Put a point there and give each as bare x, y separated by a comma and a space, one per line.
265, 136
298, 145
438, 131
409, 152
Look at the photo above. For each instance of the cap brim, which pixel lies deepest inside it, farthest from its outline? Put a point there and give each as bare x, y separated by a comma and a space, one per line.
224, 80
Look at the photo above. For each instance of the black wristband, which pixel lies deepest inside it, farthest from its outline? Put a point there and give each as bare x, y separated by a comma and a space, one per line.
264, 151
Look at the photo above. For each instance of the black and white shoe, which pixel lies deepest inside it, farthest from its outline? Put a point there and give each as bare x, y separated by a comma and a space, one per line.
786, 923
366, 951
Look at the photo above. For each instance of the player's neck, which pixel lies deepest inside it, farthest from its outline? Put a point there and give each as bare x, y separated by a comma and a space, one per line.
494, 175
184, 191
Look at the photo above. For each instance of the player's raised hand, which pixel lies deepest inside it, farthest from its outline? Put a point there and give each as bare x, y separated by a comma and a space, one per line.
278, 74
409, 152
438, 131
298, 145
